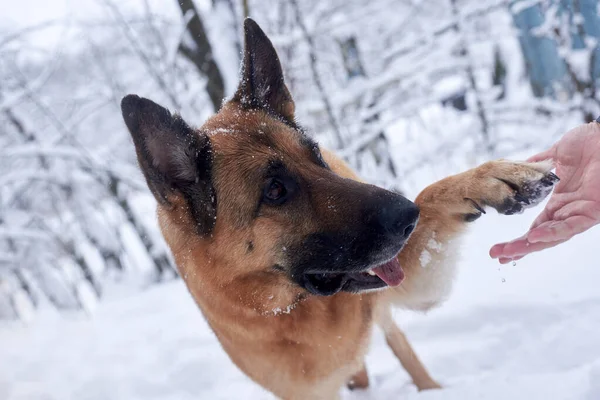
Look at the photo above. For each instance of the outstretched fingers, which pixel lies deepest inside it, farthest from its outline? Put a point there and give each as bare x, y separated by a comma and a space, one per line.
507, 251
517, 249
553, 231
504, 260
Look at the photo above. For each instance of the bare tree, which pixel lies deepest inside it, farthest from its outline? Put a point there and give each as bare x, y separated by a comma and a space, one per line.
312, 57
463, 51
198, 50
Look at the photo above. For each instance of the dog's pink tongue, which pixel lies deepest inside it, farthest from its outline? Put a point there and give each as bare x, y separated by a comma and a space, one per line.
390, 272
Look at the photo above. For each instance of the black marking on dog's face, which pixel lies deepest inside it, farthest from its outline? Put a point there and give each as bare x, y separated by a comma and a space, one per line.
314, 149
373, 228
278, 268
174, 158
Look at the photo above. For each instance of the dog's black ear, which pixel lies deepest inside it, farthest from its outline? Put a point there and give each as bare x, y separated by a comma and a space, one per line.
262, 84
173, 157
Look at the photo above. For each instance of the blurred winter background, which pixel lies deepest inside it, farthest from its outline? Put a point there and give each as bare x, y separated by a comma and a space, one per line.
407, 91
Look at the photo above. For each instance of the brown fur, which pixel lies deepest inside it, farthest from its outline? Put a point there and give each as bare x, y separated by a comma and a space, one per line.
297, 345
309, 347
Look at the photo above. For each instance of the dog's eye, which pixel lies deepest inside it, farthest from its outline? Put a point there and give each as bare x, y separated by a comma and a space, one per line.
275, 191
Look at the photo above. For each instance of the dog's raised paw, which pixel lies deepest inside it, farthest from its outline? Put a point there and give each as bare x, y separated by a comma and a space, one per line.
512, 187
531, 183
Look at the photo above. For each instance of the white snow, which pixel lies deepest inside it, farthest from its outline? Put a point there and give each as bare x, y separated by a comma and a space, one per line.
425, 258
86, 296
23, 306
434, 245
533, 336
288, 309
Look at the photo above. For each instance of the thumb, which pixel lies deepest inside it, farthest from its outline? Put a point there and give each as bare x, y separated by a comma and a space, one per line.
544, 155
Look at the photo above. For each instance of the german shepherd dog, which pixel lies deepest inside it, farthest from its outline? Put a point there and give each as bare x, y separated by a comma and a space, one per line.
290, 257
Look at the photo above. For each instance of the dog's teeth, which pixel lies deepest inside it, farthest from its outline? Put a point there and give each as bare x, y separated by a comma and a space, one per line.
370, 272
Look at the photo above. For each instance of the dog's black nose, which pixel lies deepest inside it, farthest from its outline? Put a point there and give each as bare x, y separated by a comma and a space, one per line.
400, 218
395, 215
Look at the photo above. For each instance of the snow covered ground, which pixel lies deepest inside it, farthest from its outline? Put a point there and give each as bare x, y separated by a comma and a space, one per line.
530, 331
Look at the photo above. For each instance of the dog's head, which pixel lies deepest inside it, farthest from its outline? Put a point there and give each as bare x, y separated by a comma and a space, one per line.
255, 191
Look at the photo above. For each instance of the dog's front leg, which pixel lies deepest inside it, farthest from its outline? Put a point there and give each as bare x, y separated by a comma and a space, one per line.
397, 341
447, 207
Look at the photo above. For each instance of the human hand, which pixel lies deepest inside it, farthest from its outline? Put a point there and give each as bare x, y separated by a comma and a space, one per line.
574, 207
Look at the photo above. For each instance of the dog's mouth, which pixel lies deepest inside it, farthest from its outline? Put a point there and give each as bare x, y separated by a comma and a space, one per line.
389, 273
